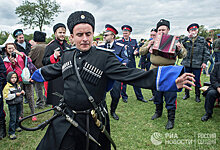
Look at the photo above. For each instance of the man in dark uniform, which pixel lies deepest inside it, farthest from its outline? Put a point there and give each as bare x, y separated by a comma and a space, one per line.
144, 51
197, 57
212, 93
111, 43
21, 44
94, 67
132, 50
53, 53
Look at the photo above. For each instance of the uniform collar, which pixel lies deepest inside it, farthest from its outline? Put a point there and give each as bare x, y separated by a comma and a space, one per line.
129, 39
111, 44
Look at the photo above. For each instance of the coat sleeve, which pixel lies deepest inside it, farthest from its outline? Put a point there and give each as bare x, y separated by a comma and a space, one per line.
162, 80
2, 71
49, 57
214, 77
33, 55
206, 53
7, 95
143, 49
48, 72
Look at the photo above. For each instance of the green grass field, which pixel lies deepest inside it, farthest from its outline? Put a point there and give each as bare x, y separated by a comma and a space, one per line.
136, 131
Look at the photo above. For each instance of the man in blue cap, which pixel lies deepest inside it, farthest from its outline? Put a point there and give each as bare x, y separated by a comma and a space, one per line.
111, 43
197, 57
216, 48
132, 50
21, 44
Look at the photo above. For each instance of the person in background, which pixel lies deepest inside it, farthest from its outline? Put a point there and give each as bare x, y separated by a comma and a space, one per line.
208, 68
2, 112
15, 61
216, 48
21, 44
212, 92
145, 52
36, 54
196, 58
131, 48
13, 95
53, 52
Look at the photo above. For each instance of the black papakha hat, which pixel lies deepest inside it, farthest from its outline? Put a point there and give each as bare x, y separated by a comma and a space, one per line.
58, 25
155, 30
80, 17
17, 32
163, 22
39, 36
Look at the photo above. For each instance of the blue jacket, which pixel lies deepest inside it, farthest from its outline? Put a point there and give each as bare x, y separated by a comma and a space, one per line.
131, 47
119, 51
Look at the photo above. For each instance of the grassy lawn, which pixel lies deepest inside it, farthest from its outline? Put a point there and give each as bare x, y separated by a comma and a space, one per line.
135, 130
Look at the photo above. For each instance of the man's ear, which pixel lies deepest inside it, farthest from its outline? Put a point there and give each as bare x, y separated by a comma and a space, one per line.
71, 35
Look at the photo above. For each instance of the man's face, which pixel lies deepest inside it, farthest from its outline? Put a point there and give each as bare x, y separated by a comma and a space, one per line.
126, 34
163, 29
153, 34
193, 32
60, 33
108, 37
83, 36
20, 38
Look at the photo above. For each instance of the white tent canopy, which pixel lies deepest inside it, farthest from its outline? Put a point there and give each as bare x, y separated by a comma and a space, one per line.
9, 40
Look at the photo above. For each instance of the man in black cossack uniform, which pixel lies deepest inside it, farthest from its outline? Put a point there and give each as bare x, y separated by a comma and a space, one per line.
86, 71
53, 53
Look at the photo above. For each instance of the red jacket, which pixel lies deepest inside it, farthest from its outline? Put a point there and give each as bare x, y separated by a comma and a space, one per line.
17, 67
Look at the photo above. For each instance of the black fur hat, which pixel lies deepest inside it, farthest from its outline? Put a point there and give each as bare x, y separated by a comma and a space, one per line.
163, 22
58, 25
80, 17
39, 36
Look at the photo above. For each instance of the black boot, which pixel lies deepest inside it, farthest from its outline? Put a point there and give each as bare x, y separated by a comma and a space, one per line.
186, 94
197, 92
158, 112
206, 117
152, 98
113, 108
2, 128
171, 118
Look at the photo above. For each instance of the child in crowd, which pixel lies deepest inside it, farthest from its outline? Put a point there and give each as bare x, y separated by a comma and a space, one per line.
13, 95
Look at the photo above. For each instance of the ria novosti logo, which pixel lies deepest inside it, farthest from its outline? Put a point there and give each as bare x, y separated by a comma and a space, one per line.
156, 138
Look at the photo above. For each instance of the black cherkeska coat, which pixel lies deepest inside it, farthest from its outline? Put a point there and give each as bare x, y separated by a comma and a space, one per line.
55, 85
75, 97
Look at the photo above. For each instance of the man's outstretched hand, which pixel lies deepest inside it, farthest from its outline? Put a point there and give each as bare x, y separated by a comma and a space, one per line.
31, 81
186, 78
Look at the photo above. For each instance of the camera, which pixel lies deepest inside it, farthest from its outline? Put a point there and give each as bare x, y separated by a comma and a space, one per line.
13, 54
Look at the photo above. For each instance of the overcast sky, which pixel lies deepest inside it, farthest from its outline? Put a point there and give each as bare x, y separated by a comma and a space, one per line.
142, 15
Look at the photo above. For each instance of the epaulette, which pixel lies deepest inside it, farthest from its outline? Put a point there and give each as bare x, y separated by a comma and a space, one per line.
105, 49
50, 42
69, 49
119, 44
101, 44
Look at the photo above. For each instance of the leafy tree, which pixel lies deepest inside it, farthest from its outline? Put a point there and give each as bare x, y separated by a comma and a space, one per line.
3, 37
37, 14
